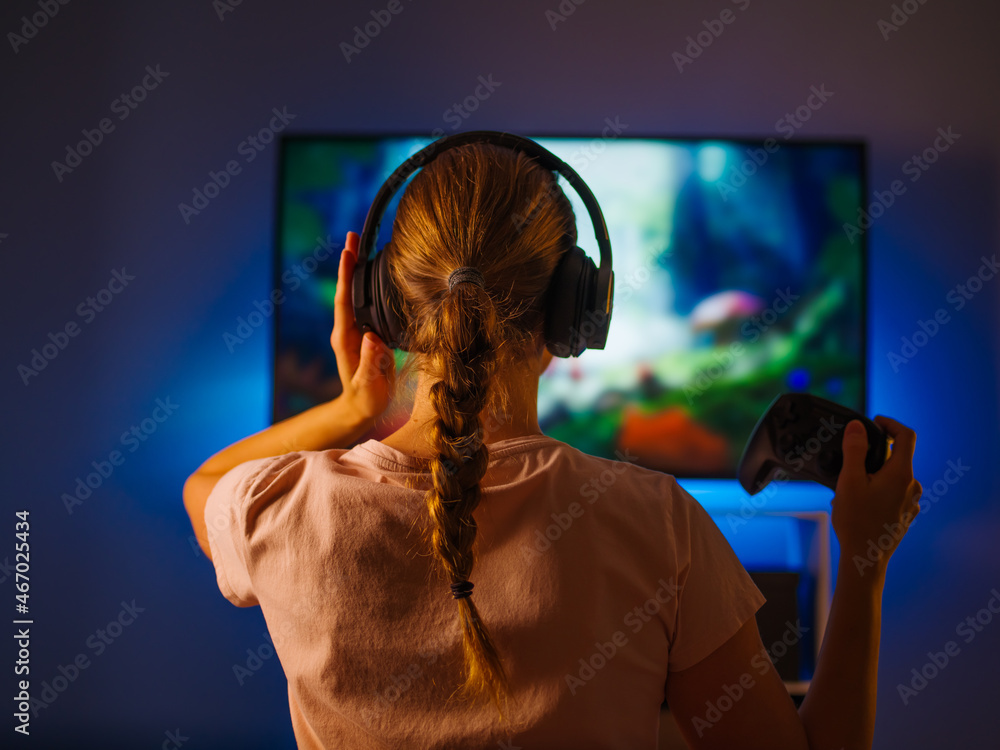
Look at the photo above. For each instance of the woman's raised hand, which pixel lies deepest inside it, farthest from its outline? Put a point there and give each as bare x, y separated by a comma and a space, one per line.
871, 512
366, 366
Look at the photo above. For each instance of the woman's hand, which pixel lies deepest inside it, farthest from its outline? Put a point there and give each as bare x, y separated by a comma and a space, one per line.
366, 366
367, 371
871, 512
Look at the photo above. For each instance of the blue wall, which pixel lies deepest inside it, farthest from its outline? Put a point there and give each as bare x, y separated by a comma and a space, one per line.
160, 337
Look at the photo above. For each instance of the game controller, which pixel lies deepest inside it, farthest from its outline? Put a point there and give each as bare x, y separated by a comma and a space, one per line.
801, 436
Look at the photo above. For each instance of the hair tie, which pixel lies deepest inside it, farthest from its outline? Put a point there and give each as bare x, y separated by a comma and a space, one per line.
462, 589
463, 275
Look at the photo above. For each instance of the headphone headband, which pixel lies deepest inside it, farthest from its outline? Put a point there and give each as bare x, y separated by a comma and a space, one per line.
366, 285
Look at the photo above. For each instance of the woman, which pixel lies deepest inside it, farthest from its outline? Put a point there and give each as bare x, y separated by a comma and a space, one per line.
364, 561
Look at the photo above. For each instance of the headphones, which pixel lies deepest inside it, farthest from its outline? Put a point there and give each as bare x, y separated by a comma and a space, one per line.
579, 298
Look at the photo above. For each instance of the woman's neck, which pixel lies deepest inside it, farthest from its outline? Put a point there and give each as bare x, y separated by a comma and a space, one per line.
518, 417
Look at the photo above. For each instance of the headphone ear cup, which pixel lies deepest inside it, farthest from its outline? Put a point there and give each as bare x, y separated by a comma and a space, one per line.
386, 308
568, 302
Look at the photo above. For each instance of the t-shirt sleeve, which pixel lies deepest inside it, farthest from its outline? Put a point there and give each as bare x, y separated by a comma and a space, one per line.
717, 596
232, 512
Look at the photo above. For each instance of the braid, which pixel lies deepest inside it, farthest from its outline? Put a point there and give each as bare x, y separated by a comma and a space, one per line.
466, 362
463, 211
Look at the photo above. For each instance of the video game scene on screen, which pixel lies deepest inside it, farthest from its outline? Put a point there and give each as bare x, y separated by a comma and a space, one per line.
734, 281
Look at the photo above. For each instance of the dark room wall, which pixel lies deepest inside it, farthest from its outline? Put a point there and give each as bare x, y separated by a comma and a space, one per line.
214, 73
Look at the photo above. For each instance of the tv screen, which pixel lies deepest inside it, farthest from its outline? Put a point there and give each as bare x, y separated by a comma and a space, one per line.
736, 278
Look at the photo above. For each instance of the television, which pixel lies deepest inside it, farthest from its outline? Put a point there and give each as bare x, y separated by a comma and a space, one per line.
737, 277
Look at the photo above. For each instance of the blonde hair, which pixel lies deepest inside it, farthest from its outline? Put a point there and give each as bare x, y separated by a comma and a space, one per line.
499, 212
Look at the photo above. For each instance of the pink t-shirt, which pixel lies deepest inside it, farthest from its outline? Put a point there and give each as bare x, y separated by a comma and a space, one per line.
594, 577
